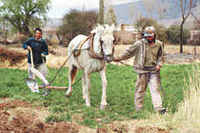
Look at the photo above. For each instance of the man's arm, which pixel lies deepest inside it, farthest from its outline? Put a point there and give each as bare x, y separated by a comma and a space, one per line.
160, 60
130, 52
44, 48
26, 45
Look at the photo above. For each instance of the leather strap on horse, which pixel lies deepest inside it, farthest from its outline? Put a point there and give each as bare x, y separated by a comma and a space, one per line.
91, 49
77, 52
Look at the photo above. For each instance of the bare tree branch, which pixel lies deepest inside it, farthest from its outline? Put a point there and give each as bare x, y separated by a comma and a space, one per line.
197, 20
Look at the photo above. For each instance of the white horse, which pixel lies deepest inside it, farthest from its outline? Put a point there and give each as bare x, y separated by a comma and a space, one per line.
90, 54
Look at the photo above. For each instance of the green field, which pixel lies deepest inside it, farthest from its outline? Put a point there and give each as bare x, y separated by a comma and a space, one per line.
120, 94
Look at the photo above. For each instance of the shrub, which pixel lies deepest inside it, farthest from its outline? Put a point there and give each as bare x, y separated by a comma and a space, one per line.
77, 22
160, 30
173, 34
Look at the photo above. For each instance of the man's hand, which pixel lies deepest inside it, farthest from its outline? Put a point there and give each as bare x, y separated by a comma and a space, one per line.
158, 67
43, 55
116, 59
28, 48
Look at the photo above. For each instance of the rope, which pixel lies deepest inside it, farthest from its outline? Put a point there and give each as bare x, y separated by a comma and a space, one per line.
79, 48
60, 69
123, 63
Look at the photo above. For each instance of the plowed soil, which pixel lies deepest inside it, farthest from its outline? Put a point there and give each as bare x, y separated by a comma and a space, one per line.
21, 117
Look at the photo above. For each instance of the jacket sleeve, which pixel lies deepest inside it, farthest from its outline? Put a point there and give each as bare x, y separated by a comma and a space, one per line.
160, 58
130, 51
26, 43
45, 48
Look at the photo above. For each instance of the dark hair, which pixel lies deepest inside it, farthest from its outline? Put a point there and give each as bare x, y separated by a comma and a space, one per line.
38, 29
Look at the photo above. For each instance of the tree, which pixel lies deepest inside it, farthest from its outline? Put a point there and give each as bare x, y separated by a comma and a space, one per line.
77, 22
186, 7
160, 30
110, 17
24, 14
196, 22
173, 34
144, 22
101, 12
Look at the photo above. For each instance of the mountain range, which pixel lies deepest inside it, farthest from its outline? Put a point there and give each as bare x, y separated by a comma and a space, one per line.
166, 12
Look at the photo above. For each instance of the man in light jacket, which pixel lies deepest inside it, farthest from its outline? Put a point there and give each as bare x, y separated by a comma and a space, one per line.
148, 61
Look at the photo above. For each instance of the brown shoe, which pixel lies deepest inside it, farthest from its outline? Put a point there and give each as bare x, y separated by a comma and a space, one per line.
162, 111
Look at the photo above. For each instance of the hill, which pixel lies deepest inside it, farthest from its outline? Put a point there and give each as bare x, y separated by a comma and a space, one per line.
166, 12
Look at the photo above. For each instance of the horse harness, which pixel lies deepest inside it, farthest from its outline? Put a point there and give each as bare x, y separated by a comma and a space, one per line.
91, 53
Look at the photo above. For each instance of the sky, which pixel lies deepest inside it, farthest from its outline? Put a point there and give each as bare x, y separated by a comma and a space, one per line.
60, 7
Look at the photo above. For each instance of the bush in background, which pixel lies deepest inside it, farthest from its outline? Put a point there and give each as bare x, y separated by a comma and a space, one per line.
173, 34
142, 23
76, 22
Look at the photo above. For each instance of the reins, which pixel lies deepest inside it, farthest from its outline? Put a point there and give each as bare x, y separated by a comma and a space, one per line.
59, 69
91, 49
123, 63
77, 52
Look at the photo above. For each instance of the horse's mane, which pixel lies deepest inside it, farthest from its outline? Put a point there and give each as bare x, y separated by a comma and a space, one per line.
101, 31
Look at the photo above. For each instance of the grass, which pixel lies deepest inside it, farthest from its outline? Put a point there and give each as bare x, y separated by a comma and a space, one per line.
120, 94
186, 118
188, 115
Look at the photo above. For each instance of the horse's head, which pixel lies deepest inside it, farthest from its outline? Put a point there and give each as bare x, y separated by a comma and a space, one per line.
107, 42
104, 42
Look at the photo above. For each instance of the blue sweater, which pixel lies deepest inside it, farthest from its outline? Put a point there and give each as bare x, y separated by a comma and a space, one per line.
38, 47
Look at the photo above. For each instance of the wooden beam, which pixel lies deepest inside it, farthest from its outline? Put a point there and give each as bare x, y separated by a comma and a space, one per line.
55, 87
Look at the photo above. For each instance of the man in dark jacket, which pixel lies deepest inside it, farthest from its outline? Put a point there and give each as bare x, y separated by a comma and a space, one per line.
39, 52
148, 60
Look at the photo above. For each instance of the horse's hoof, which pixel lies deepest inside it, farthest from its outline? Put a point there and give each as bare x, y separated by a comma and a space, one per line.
84, 97
88, 105
68, 94
102, 107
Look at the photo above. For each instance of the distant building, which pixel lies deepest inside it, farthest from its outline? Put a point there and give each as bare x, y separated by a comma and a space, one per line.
126, 27
194, 37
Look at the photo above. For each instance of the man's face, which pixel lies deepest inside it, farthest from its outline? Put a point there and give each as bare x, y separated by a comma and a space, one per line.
150, 37
38, 35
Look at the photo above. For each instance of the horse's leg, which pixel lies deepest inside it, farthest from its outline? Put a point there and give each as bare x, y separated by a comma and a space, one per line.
87, 87
104, 85
71, 76
83, 86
